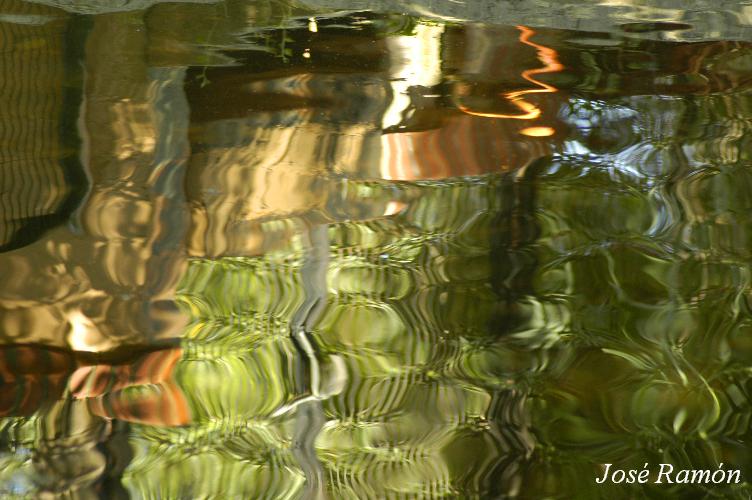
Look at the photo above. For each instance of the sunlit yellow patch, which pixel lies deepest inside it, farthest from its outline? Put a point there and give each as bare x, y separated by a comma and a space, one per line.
537, 131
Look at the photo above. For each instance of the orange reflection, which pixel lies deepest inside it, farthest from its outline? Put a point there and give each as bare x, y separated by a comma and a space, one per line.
158, 400
529, 111
140, 389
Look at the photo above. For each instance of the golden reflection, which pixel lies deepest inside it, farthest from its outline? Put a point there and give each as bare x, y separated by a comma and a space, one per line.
538, 131
529, 111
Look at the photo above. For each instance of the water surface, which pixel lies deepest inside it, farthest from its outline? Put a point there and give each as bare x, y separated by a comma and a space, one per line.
296, 250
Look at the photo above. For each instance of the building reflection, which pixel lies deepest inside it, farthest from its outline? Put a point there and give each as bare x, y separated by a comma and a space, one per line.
270, 147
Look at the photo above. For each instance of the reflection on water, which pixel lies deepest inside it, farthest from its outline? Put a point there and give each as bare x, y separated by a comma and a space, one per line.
528, 111
250, 251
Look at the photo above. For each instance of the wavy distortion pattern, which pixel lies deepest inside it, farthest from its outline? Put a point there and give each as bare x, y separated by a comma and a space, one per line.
451, 307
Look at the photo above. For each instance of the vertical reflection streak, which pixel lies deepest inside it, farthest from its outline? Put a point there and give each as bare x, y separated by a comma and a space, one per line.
309, 417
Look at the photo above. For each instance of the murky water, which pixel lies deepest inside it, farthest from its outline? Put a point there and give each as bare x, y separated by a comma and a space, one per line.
255, 249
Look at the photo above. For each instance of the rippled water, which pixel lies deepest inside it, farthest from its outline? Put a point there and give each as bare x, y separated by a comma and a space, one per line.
259, 249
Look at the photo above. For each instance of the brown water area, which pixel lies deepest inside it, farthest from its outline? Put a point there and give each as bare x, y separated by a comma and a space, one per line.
266, 249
